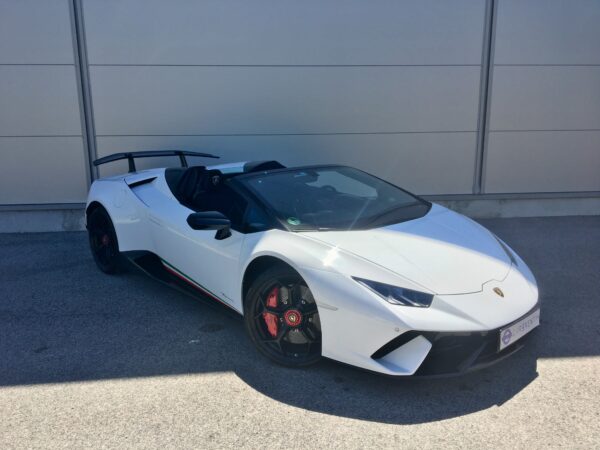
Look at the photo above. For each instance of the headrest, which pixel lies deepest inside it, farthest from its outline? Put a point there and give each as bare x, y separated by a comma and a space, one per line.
211, 180
188, 182
195, 169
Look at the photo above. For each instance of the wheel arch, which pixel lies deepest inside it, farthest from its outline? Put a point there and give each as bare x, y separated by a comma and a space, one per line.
94, 205
259, 265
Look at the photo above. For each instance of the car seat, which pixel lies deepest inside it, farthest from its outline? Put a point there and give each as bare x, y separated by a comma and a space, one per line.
187, 185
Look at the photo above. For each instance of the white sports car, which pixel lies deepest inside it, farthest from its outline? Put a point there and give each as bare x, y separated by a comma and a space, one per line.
320, 261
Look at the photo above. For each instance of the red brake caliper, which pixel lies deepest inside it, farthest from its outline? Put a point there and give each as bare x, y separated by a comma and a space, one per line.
270, 318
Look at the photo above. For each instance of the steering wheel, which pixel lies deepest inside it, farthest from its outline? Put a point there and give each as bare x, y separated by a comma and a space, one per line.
329, 188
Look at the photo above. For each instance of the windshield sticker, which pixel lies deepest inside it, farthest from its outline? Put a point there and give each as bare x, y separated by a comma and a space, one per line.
293, 221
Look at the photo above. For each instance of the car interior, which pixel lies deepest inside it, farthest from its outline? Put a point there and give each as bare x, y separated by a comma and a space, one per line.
201, 189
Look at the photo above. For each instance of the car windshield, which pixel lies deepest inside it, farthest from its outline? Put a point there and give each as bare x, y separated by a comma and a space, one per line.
333, 198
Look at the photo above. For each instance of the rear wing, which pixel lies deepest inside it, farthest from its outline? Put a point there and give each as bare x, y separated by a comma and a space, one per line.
130, 156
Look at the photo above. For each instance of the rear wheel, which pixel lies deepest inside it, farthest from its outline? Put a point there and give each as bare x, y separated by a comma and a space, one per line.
282, 318
103, 241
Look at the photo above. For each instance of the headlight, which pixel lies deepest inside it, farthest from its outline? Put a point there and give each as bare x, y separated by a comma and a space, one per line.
397, 295
507, 250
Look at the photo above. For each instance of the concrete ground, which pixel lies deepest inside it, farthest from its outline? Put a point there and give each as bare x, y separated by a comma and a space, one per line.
90, 360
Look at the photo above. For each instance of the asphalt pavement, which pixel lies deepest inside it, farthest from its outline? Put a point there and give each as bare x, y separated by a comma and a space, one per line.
89, 361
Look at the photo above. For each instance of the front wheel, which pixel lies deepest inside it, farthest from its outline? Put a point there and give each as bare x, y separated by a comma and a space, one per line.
282, 318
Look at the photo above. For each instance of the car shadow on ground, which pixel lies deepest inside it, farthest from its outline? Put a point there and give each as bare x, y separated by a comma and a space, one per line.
61, 320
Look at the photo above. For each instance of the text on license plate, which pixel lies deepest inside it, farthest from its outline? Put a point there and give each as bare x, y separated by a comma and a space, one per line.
516, 331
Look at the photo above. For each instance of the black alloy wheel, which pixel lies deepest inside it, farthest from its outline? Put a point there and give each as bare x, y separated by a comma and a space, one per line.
282, 318
103, 241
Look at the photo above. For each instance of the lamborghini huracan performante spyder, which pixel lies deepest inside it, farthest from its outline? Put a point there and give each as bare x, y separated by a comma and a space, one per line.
321, 261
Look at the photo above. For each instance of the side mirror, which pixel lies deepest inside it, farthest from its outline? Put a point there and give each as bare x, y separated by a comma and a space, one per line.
210, 220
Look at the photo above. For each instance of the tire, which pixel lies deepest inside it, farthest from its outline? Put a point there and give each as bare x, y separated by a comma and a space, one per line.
282, 318
103, 241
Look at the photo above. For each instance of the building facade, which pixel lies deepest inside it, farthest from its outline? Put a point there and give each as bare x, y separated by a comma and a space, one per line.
492, 106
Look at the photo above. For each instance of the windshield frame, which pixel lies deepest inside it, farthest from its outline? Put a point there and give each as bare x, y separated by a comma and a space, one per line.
257, 196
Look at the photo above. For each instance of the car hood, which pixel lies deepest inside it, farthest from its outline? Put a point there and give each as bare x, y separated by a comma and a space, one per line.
442, 251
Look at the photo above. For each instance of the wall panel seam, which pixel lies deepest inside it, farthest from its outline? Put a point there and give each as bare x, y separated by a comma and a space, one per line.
544, 130
40, 135
284, 65
545, 65
36, 64
433, 197
350, 133
515, 195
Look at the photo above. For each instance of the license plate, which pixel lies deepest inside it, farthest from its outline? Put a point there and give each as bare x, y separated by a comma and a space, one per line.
516, 331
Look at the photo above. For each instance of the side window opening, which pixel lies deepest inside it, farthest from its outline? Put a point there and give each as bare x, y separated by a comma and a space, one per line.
255, 219
234, 209
245, 217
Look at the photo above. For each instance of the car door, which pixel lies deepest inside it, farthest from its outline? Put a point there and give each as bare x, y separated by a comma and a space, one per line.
209, 264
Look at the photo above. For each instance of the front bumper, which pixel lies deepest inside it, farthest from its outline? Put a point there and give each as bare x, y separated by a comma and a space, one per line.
454, 353
456, 334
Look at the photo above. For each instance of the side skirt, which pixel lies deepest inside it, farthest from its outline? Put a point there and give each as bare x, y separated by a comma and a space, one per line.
159, 269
